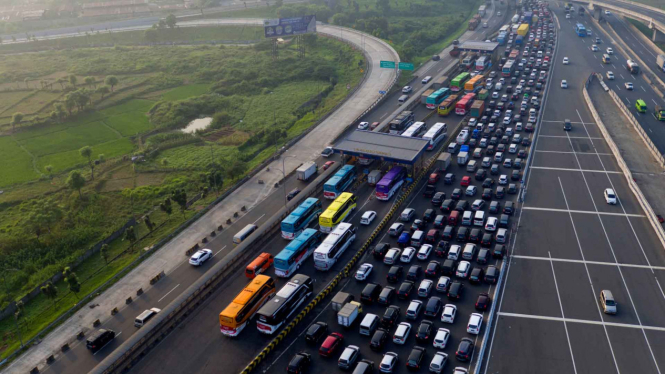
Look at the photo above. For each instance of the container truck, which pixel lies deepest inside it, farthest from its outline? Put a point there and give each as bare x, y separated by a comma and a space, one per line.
462, 158
632, 67
477, 108
306, 171
347, 314
528, 17
443, 161
519, 39
425, 95
374, 177
474, 22
523, 29
660, 60
440, 82
483, 94
340, 299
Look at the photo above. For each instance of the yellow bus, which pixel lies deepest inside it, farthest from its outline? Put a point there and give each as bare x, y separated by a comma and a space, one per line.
235, 317
337, 212
447, 105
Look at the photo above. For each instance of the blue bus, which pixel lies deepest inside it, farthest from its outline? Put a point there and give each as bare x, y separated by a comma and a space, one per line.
580, 30
301, 217
339, 182
289, 259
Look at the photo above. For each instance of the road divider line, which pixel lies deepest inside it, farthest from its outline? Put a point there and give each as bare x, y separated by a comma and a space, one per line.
582, 321
582, 170
583, 211
573, 261
579, 153
165, 295
219, 250
571, 137
565, 325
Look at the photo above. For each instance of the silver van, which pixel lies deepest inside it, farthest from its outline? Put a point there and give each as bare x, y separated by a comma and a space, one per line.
403, 98
479, 218
487, 162
467, 218
453, 148
472, 166
369, 324
144, 317
607, 302
396, 229
418, 238
348, 357
469, 252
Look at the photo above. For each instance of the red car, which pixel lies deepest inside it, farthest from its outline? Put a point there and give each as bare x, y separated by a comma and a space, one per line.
466, 181
373, 126
433, 178
327, 165
330, 345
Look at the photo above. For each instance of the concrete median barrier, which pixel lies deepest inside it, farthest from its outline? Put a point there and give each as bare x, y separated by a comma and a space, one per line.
156, 278
64, 348
80, 335
139, 292
114, 311
34, 370
96, 323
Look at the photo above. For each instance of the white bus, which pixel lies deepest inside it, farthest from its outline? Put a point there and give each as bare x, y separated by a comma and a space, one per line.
244, 233
504, 28
333, 246
435, 134
415, 130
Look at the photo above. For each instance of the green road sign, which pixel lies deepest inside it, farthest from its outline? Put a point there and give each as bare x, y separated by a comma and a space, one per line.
405, 66
388, 64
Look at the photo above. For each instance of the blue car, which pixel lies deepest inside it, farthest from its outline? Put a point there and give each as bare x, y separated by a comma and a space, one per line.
404, 239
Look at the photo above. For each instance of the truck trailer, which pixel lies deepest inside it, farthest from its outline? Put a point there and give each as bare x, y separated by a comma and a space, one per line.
306, 171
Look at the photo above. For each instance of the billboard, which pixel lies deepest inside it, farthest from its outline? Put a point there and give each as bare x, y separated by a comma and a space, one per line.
280, 27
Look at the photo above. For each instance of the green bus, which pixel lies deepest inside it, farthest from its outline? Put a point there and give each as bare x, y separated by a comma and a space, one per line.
457, 84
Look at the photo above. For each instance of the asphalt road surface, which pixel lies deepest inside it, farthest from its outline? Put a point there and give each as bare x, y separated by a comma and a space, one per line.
571, 245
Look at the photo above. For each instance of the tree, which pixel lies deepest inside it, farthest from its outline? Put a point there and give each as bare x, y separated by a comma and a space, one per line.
103, 90
166, 207
101, 158
17, 118
72, 281
104, 253
180, 197
72, 80
70, 103
165, 162
50, 291
384, 5
75, 181
49, 170
130, 235
215, 179
90, 81
161, 24
87, 153
111, 80
20, 311
148, 223
171, 21
61, 81
40, 215
151, 34
235, 169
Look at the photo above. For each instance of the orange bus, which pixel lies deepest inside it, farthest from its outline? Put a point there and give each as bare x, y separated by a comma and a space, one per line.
259, 265
235, 317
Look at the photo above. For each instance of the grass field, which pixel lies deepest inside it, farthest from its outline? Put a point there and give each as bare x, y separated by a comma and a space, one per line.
34, 103
7, 99
68, 159
16, 163
129, 123
72, 138
185, 92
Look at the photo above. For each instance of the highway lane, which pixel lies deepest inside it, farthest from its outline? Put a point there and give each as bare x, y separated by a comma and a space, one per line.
571, 245
635, 7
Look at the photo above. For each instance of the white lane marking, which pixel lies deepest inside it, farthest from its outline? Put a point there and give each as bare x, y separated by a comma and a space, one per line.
614, 66
619, 88
650, 130
219, 251
565, 325
593, 291
622, 77
654, 101
384, 114
643, 89
582, 170
172, 289
579, 153
582, 212
583, 321
572, 137
595, 56
257, 220
661, 288
628, 101
572, 261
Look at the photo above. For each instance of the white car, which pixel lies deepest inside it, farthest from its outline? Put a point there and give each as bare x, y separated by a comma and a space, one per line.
478, 204
201, 256
364, 271
566, 61
629, 86
503, 179
568, 16
424, 252
475, 323
363, 126
610, 196
407, 89
607, 13
368, 217
463, 269
471, 191
473, 122
426, 79
460, 370
595, 48
609, 51
402, 333
391, 256
449, 313
610, 75
492, 224
407, 214
388, 362
441, 338
564, 84
443, 284
498, 86
440, 359
495, 95
407, 255
454, 252
498, 13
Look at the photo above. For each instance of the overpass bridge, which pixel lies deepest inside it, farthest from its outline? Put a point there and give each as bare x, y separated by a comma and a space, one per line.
652, 16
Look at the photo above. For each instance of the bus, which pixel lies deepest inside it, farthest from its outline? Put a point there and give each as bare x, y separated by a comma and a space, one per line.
437, 97
295, 253
244, 233
508, 68
457, 84
333, 246
339, 182
390, 183
580, 30
464, 105
504, 28
300, 218
474, 84
399, 123
435, 134
415, 130
447, 105
337, 212
234, 317
286, 302
482, 63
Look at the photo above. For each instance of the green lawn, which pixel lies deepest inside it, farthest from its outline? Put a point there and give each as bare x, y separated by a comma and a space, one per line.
34, 103
129, 123
136, 105
185, 92
17, 164
66, 160
70, 139
8, 99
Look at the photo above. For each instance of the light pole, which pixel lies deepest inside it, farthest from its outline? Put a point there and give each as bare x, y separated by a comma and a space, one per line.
284, 176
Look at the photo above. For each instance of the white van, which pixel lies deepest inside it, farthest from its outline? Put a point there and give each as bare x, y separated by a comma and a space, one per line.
454, 252
467, 218
479, 218
369, 324
470, 250
472, 166
453, 148
392, 256
244, 233
144, 317
418, 238
403, 98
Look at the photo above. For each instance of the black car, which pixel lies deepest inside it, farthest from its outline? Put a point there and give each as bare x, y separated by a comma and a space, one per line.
495, 206
386, 295
494, 170
499, 251
526, 141
512, 188
465, 350
442, 248
424, 331
417, 224
461, 206
476, 275
449, 178
379, 340
429, 191
370, 293
457, 194
473, 142
448, 267
448, 232
481, 174
483, 256
315, 332
405, 290
486, 240
429, 214
433, 306
439, 221
299, 363
438, 198
364, 367
474, 236
515, 175
488, 182
432, 269
455, 290
379, 251
390, 316
99, 339
508, 208
447, 206
394, 274
490, 149
415, 358
492, 274
487, 194
500, 192
504, 220
292, 193
483, 301
414, 273
463, 234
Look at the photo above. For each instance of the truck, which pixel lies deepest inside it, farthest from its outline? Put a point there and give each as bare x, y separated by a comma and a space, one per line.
374, 177
519, 39
425, 95
340, 299
306, 170
483, 94
632, 67
462, 158
347, 314
660, 61
455, 51
581, 11
439, 82
523, 29
482, 10
659, 113
477, 108
474, 22
515, 18
528, 16
513, 54
443, 161
502, 38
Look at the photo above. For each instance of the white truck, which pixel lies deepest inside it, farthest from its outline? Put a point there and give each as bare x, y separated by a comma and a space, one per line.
374, 177
443, 161
306, 171
462, 137
347, 314
660, 61
341, 298
462, 158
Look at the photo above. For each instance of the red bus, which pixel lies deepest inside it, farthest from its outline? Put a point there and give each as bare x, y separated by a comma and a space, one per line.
464, 105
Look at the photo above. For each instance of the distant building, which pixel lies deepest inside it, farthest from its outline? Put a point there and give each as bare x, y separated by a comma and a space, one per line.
114, 8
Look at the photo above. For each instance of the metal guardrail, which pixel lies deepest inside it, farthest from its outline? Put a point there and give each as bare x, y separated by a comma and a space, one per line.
490, 318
